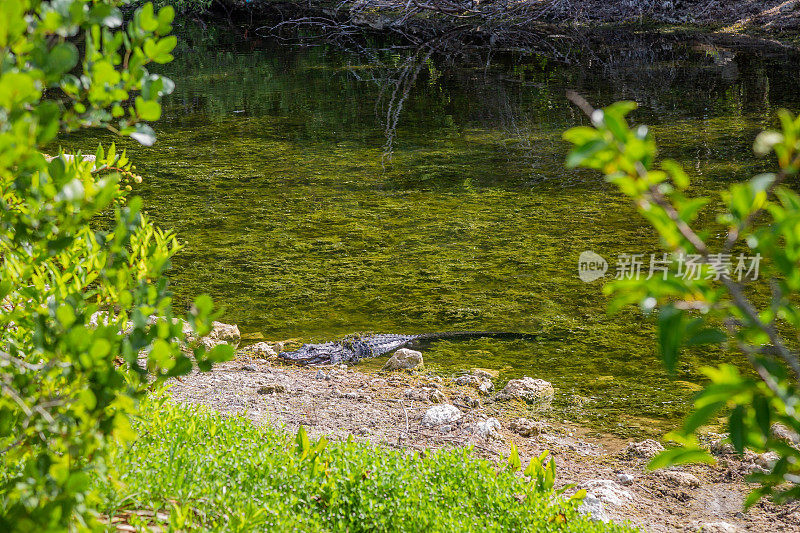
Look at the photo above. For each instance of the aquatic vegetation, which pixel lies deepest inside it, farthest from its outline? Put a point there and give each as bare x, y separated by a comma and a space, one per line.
270, 167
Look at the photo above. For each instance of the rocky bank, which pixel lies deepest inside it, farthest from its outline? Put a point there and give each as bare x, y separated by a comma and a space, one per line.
412, 409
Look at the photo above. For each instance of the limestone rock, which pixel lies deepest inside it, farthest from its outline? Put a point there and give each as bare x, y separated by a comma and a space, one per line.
527, 427
721, 446
221, 334
425, 394
263, 350
767, 460
439, 415
717, 527
682, 479
467, 401
624, 479
646, 449
404, 359
528, 389
487, 373
488, 429
607, 491
593, 507
781, 432
477, 379
356, 395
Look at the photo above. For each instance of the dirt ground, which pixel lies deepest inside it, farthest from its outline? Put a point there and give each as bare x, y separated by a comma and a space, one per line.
386, 408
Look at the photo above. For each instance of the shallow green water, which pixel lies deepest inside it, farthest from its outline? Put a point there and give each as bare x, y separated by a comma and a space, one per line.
271, 164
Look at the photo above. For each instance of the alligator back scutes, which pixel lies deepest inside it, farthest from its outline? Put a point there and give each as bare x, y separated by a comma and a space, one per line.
353, 348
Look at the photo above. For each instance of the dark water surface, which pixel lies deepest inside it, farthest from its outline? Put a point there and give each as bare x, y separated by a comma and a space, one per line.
272, 164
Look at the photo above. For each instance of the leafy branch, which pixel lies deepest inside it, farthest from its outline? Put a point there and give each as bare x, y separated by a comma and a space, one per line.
766, 217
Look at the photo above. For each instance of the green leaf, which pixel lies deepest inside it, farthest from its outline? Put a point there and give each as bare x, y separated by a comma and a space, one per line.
621, 109
700, 416
674, 169
680, 456
159, 51
182, 366
147, 20
514, 463
707, 336
77, 482
5, 288
755, 496
736, 428
160, 352
17, 88
165, 17
578, 496
220, 353
763, 415
616, 125
580, 135
303, 444
66, 315
580, 154
147, 109
56, 168
671, 327
62, 58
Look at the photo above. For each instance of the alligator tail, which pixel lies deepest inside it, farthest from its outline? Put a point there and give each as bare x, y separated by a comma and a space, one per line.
465, 335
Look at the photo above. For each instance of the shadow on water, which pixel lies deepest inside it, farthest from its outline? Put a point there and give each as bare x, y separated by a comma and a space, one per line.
272, 165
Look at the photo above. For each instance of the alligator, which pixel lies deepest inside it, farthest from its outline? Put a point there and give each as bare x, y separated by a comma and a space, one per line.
353, 348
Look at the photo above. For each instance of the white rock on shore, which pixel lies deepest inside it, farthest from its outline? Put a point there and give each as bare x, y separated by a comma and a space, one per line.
717, 527
477, 379
646, 449
263, 350
488, 429
607, 491
528, 389
593, 507
682, 479
221, 334
404, 359
426, 394
439, 415
528, 428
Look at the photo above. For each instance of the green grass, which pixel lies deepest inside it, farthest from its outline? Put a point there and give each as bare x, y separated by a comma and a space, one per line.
209, 472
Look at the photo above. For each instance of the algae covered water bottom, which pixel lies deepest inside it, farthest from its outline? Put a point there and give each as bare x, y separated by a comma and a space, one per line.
307, 214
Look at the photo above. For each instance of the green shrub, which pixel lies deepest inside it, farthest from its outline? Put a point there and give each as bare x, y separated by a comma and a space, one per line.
67, 384
761, 218
218, 473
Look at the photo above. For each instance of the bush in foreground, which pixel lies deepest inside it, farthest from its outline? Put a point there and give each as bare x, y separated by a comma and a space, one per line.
67, 378
707, 292
206, 471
